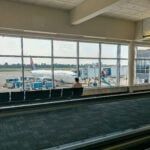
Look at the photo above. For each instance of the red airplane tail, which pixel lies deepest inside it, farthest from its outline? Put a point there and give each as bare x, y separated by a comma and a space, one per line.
32, 64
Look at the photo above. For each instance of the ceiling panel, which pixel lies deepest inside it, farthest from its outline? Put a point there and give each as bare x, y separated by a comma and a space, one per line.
63, 4
127, 9
130, 9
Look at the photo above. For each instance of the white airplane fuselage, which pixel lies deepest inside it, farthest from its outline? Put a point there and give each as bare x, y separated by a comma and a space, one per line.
59, 75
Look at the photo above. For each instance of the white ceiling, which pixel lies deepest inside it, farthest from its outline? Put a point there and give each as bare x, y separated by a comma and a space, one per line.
63, 4
130, 9
127, 9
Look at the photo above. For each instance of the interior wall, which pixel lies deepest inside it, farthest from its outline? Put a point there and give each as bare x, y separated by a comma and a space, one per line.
22, 17
142, 28
139, 30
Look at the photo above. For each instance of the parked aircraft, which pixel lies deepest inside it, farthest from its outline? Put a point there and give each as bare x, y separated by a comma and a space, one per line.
59, 75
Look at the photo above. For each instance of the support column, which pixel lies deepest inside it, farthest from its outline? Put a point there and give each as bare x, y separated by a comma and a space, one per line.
22, 62
118, 64
78, 68
131, 65
99, 65
52, 63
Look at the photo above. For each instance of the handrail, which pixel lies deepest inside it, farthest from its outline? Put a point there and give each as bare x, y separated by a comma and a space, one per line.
106, 140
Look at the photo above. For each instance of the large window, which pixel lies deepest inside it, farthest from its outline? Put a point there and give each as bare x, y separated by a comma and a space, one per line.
114, 65
37, 73
109, 50
10, 64
39, 64
109, 65
36, 47
10, 74
124, 65
89, 72
124, 51
109, 72
65, 70
142, 65
89, 69
65, 63
10, 46
89, 50
65, 48
124, 72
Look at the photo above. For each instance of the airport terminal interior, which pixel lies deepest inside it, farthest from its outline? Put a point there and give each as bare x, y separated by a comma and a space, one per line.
45, 45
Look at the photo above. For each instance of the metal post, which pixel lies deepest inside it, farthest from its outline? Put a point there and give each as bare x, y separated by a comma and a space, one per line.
99, 63
118, 64
131, 64
52, 63
22, 64
78, 70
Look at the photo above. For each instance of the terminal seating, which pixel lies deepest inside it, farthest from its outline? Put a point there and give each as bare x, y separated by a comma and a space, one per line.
37, 95
31, 95
17, 96
67, 92
50, 95
56, 93
44, 94
4, 97
77, 92
72, 92
63, 94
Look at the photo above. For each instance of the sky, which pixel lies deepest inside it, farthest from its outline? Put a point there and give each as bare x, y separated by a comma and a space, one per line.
42, 47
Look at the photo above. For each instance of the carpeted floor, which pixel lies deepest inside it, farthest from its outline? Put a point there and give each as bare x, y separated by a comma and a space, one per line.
61, 126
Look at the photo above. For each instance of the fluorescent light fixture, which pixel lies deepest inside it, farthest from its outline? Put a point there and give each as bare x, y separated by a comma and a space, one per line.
146, 36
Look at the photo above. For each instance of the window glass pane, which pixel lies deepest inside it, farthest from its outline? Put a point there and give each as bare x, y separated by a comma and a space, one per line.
10, 74
65, 48
88, 50
142, 71
37, 47
124, 72
89, 72
37, 73
124, 51
108, 72
65, 71
109, 51
143, 52
10, 46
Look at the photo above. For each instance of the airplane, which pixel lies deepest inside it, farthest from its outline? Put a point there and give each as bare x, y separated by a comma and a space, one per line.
62, 76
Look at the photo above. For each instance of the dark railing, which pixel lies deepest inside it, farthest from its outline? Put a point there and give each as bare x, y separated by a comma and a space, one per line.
27, 96
65, 95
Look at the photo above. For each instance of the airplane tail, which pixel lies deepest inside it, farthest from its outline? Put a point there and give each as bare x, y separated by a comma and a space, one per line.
32, 64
